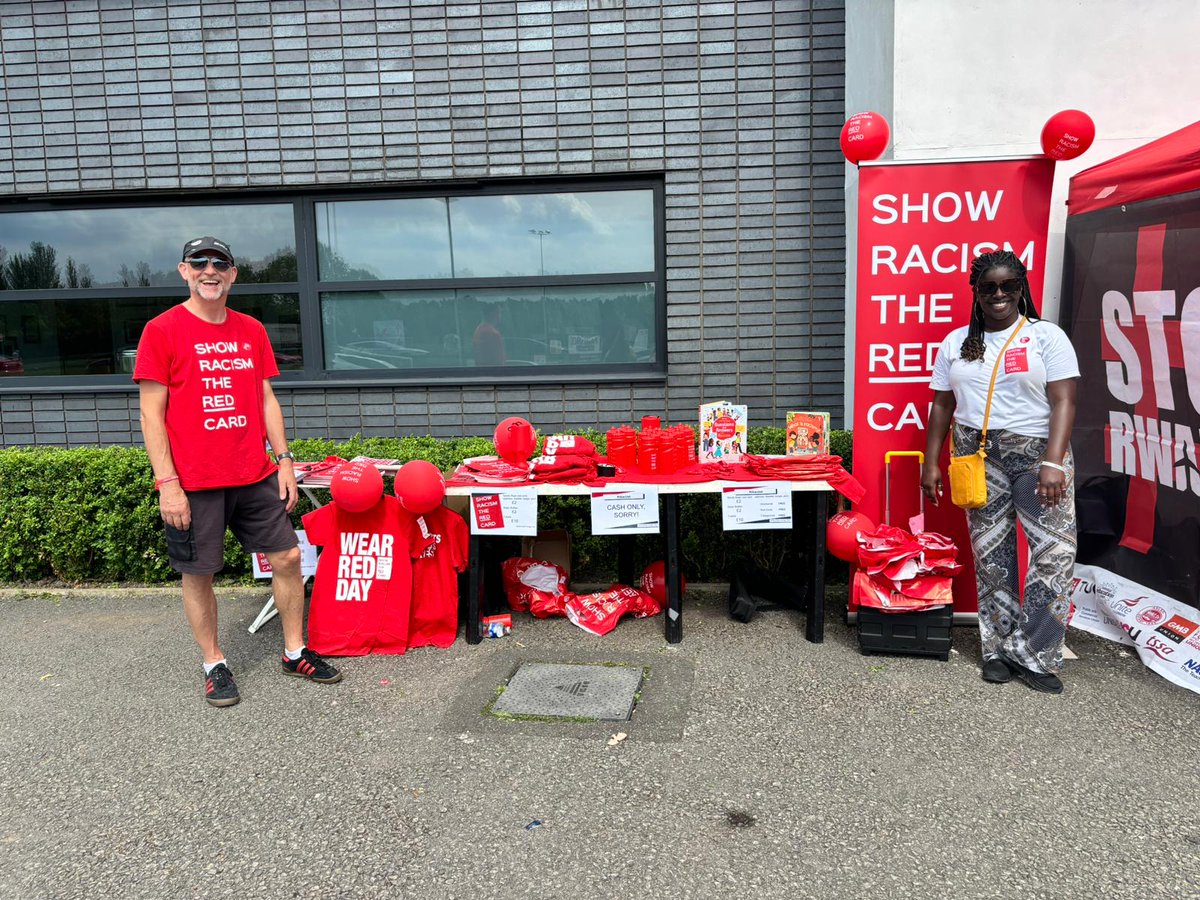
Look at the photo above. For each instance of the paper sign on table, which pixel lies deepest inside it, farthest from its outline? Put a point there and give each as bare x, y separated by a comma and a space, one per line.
632, 511
751, 506
510, 511
308, 559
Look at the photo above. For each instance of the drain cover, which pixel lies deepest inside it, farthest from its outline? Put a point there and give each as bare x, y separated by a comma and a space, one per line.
571, 691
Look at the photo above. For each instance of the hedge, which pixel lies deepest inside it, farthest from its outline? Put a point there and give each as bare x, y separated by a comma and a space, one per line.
90, 515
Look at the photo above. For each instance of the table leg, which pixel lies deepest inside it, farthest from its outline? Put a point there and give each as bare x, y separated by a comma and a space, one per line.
625, 547
474, 590
815, 628
673, 614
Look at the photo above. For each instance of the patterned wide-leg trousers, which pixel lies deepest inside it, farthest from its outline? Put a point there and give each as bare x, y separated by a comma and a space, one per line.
1029, 633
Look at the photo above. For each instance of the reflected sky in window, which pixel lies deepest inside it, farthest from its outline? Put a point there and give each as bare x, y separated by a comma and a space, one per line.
553, 234
365, 240
140, 247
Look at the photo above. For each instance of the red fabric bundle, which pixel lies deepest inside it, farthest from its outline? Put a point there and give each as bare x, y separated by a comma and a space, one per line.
489, 470
563, 467
533, 581
599, 613
570, 444
901, 571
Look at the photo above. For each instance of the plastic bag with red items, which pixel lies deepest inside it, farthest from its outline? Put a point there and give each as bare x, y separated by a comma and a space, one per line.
599, 613
904, 572
528, 580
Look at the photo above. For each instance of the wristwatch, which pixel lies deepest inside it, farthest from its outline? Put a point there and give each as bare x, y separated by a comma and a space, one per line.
280, 457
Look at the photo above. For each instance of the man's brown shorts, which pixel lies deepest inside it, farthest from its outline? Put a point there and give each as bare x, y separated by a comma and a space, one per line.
254, 513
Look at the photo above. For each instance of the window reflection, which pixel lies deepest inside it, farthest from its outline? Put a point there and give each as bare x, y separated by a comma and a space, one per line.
373, 240
553, 234
490, 329
100, 337
139, 247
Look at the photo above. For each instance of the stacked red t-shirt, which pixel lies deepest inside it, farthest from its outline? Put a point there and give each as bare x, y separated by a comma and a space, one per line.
215, 375
362, 592
434, 617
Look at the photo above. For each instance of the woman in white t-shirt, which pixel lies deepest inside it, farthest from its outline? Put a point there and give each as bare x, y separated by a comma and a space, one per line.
1029, 467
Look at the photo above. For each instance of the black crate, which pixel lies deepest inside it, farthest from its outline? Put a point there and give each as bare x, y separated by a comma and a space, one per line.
922, 633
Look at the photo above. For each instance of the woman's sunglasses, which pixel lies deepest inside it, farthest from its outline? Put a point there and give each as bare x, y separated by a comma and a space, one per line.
200, 263
988, 288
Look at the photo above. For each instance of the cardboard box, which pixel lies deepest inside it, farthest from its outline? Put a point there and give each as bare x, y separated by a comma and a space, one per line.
550, 546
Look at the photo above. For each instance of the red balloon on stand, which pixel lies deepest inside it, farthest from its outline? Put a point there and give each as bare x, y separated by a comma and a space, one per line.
1068, 134
515, 440
356, 486
864, 137
841, 534
654, 581
420, 486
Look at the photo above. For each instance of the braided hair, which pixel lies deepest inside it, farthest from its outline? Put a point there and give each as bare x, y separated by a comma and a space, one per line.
972, 347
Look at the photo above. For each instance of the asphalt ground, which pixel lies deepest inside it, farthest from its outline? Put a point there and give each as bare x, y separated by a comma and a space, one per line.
756, 765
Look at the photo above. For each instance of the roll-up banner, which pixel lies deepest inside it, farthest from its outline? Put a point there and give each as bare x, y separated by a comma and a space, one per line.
1132, 298
919, 227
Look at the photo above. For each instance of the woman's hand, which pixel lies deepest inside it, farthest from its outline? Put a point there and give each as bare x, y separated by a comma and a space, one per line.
1052, 485
931, 481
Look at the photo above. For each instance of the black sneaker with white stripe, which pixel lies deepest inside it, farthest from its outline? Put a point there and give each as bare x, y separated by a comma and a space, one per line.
310, 665
219, 687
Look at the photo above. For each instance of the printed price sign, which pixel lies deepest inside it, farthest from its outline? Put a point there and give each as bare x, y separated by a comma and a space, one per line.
511, 511
751, 506
308, 559
625, 512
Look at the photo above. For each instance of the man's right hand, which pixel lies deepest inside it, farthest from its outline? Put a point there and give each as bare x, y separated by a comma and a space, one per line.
174, 507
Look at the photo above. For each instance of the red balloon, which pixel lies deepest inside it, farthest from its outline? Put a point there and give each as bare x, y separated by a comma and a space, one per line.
841, 534
1068, 134
654, 581
420, 486
356, 486
515, 440
864, 137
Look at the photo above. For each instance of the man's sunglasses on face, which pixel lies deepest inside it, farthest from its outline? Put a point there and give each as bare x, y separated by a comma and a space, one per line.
200, 263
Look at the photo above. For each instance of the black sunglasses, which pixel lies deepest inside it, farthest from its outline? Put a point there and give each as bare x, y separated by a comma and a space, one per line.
988, 288
200, 263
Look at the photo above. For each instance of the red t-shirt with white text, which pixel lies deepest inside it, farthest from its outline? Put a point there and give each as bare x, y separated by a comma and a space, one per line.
363, 587
434, 617
214, 376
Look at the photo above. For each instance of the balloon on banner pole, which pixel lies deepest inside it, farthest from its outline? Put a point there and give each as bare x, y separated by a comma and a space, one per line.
356, 486
1068, 134
419, 486
865, 136
515, 440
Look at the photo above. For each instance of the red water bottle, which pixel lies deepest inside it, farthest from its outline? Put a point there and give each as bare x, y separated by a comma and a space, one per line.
649, 448
651, 423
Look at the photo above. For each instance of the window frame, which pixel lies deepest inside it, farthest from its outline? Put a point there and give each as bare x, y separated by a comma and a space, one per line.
309, 289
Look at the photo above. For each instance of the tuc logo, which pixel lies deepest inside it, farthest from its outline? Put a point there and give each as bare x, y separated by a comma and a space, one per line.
1176, 629
1151, 615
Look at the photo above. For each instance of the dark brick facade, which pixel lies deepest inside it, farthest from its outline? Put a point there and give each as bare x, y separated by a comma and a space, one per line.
737, 104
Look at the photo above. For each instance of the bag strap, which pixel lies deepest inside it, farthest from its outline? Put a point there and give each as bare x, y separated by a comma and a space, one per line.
991, 389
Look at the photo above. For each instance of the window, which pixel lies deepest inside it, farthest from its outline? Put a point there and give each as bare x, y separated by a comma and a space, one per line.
523, 284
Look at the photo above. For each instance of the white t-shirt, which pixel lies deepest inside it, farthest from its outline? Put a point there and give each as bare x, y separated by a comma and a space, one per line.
1040, 353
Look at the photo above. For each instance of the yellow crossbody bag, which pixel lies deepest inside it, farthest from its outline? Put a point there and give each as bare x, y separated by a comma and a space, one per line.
968, 477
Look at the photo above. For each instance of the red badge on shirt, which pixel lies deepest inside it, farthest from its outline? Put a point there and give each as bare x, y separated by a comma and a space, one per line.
1016, 360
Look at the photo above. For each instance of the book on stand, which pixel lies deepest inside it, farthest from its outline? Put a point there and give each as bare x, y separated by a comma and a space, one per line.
722, 431
807, 434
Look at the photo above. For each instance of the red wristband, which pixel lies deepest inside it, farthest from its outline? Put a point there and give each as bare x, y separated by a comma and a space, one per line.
161, 481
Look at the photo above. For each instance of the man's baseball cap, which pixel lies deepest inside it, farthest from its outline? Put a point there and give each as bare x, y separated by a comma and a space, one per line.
201, 244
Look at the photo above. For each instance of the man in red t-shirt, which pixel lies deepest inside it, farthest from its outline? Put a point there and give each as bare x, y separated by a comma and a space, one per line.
203, 373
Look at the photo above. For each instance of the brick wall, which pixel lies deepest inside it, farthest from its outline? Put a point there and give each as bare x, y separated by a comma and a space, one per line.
738, 104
